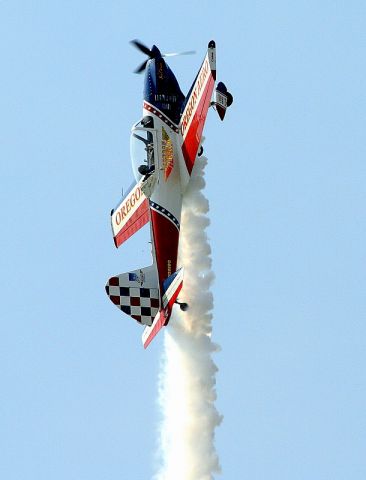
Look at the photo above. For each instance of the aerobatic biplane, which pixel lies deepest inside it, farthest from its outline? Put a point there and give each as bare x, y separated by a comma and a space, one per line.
164, 146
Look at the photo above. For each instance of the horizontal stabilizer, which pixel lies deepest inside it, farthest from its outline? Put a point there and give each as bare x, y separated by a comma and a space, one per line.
130, 215
223, 99
150, 332
172, 286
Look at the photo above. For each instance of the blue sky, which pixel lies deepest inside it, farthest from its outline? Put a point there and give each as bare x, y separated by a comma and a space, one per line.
286, 183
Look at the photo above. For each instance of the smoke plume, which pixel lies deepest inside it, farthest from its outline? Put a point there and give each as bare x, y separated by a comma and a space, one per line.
187, 380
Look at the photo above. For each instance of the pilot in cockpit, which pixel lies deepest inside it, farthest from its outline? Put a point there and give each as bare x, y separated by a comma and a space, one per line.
146, 171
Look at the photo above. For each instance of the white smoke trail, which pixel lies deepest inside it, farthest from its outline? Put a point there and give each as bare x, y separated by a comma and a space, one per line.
187, 381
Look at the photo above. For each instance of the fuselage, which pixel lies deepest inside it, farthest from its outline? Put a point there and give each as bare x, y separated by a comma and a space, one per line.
162, 107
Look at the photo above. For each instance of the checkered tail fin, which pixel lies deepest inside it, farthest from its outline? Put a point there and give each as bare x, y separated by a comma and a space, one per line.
136, 293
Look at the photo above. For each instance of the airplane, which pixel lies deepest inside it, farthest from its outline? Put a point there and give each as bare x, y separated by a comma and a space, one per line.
164, 146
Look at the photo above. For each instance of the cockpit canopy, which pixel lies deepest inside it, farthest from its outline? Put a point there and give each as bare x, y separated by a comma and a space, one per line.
142, 147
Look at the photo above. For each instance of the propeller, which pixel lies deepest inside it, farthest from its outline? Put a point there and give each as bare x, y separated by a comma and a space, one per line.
177, 54
154, 52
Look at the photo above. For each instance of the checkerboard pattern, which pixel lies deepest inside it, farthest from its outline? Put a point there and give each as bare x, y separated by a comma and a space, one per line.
142, 304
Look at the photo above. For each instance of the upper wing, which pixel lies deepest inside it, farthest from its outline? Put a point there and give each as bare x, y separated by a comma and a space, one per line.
130, 215
197, 103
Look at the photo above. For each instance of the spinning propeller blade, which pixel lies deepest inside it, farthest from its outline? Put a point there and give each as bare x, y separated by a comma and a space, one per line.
153, 53
140, 46
177, 54
141, 68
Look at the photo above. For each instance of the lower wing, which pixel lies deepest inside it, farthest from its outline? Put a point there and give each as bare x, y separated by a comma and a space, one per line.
130, 215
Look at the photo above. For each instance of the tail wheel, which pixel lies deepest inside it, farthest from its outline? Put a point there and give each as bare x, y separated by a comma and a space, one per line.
182, 305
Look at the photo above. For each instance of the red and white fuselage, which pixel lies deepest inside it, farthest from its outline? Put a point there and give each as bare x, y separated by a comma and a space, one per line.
164, 151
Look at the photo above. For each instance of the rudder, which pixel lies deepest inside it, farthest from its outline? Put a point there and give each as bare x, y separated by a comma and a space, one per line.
136, 293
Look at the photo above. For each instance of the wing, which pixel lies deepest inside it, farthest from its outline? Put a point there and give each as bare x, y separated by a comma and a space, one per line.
130, 215
197, 103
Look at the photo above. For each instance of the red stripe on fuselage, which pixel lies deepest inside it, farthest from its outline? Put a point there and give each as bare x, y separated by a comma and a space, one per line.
166, 238
193, 136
